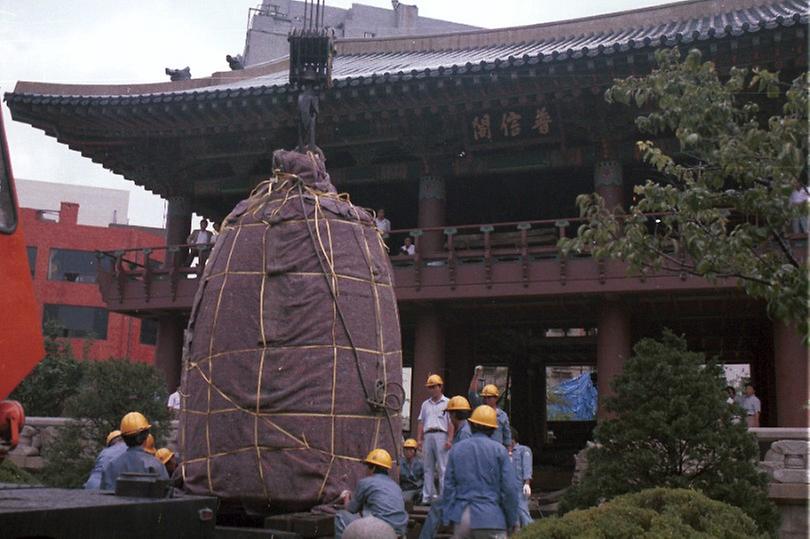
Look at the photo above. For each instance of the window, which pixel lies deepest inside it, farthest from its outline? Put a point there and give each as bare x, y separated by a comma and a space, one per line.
32, 259
8, 215
149, 331
78, 321
75, 266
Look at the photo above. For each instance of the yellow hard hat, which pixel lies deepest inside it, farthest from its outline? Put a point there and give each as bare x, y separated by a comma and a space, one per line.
484, 416
410, 443
379, 457
113, 435
458, 403
490, 390
133, 423
164, 454
434, 380
149, 445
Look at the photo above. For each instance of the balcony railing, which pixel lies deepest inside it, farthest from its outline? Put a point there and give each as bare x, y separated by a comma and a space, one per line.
482, 244
466, 261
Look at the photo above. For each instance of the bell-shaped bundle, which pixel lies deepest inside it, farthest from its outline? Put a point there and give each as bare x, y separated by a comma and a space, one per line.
293, 364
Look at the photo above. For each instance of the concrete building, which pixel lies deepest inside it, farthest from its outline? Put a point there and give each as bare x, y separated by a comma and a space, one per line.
99, 206
63, 262
271, 23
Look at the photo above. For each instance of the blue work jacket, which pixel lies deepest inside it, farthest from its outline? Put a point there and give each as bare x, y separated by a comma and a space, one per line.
411, 475
379, 496
480, 477
522, 462
134, 459
503, 434
107, 455
463, 432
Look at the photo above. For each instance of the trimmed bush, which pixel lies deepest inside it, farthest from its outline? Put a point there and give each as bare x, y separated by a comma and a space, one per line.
671, 427
652, 513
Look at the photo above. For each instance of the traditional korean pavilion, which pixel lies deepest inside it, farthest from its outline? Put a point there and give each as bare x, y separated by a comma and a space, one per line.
476, 144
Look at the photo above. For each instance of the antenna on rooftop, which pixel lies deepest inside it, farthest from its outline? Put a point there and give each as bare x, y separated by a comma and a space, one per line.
311, 51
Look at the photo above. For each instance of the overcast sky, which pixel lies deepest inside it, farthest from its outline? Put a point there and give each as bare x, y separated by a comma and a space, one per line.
118, 41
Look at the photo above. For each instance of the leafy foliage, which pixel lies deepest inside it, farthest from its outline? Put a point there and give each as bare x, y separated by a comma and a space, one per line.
53, 381
108, 390
658, 512
671, 427
9, 473
723, 198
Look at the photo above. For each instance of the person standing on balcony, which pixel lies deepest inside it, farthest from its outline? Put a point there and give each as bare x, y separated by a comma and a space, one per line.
407, 248
173, 404
799, 197
434, 433
201, 240
383, 224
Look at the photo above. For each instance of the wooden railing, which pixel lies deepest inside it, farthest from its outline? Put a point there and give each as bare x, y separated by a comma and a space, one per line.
149, 265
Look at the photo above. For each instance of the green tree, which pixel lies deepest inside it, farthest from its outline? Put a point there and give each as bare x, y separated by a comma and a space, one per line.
671, 427
108, 390
651, 513
54, 380
724, 193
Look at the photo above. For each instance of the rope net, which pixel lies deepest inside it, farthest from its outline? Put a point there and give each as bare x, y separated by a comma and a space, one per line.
292, 366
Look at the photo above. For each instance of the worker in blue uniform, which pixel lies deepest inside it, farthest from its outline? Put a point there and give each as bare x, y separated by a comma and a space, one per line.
459, 409
481, 494
115, 446
411, 472
522, 463
376, 495
490, 394
134, 430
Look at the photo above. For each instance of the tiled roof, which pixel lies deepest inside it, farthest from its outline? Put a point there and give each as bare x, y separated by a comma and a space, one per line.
538, 44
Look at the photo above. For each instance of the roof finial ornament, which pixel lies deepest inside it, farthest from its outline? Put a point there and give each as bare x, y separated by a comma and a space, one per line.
178, 74
235, 62
311, 51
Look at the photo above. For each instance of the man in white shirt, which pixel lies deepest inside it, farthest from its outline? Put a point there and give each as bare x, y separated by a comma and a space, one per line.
407, 247
203, 238
173, 403
799, 197
433, 434
750, 403
383, 224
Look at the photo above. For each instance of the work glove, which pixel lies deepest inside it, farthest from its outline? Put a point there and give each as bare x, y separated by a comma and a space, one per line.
527, 490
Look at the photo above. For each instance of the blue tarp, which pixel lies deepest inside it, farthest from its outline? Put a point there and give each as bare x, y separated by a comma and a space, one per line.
576, 400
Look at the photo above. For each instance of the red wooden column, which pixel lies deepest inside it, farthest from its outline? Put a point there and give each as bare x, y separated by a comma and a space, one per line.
613, 347
169, 349
428, 352
792, 382
431, 212
608, 182
178, 220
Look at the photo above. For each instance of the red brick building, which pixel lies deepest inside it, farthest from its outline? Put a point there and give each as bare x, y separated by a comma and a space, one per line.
63, 261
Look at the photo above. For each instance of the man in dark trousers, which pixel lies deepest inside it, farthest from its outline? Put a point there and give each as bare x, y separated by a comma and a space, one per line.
481, 494
376, 495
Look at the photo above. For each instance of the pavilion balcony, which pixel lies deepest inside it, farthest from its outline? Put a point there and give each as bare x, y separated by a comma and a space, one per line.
497, 260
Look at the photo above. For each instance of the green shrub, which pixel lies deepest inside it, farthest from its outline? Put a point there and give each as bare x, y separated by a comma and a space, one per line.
672, 428
53, 381
108, 390
652, 513
9, 473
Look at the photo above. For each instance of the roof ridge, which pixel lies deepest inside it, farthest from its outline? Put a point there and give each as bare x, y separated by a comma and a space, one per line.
678, 11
